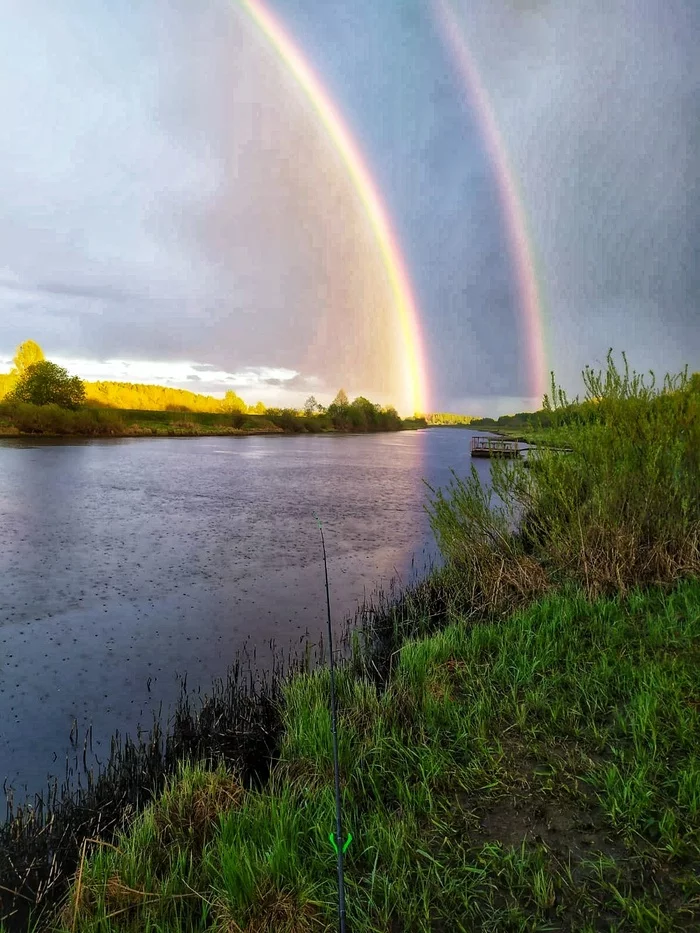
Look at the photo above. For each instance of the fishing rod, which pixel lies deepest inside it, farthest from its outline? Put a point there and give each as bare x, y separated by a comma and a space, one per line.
337, 842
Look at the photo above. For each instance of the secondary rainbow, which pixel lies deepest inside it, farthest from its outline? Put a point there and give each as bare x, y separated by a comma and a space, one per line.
414, 368
513, 211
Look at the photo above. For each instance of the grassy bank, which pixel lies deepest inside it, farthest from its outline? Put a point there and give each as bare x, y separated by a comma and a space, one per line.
541, 774
52, 421
20, 419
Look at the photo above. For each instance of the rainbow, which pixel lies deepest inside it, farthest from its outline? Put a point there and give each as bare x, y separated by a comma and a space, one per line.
414, 374
511, 202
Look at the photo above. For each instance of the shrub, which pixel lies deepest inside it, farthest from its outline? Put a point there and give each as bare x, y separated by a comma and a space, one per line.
52, 419
46, 383
621, 509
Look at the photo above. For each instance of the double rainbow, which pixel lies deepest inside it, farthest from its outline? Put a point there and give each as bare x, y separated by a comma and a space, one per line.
414, 374
511, 202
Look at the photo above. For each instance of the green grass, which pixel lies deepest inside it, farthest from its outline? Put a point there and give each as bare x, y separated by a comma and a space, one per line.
209, 418
539, 774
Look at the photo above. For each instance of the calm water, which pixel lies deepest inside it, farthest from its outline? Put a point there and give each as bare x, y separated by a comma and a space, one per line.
127, 562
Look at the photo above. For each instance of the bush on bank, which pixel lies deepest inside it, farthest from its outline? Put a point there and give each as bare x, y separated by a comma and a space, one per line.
53, 419
620, 509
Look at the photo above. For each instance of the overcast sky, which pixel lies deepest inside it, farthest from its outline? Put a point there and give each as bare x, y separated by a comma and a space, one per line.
171, 210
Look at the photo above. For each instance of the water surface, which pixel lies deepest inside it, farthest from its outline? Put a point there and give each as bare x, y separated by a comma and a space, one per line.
127, 562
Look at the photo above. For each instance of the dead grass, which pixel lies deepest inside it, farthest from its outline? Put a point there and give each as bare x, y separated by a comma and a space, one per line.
275, 912
188, 813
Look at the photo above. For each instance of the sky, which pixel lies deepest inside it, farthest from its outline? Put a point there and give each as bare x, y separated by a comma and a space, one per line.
172, 209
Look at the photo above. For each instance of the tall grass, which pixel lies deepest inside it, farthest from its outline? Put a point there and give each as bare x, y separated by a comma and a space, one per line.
237, 723
537, 775
621, 509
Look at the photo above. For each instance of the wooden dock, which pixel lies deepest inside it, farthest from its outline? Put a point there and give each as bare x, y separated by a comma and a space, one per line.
495, 447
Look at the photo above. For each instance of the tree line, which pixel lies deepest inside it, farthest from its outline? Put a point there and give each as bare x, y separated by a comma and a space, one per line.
341, 415
36, 381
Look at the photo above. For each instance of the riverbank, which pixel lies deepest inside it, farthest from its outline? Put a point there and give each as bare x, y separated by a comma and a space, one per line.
50, 421
548, 437
487, 787
485, 783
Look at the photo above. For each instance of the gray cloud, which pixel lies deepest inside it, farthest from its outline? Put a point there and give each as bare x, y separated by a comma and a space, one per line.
84, 291
295, 382
191, 207
598, 106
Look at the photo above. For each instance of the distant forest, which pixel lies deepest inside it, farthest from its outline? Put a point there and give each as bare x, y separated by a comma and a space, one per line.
38, 396
137, 397
446, 418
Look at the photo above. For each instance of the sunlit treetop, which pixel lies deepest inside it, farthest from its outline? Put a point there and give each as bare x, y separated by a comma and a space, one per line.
26, 355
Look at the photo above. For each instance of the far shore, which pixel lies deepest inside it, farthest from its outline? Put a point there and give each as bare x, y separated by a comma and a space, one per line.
360, 417
8, 432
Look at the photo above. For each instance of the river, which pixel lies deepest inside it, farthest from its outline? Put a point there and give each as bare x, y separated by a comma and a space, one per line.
125, 563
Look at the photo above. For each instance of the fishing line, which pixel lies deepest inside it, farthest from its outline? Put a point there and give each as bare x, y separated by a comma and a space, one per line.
339, 846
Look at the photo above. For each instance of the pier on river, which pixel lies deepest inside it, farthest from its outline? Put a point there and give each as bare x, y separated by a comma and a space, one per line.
494, 447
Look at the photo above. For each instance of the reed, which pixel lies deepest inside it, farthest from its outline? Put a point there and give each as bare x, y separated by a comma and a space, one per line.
237, 722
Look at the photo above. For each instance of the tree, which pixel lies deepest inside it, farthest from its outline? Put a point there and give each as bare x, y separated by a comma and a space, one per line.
26, 355
258, 409
363, 413
46, 383
341, 399
233, 403
311, 406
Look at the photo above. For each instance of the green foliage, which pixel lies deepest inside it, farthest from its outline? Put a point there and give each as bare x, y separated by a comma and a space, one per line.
289, 419
17, 417
46, 383
54, 420
522, 422
621, 509
25, 418
483, 423
489, 787
412, 424
26, 355
311, 406
360, 416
